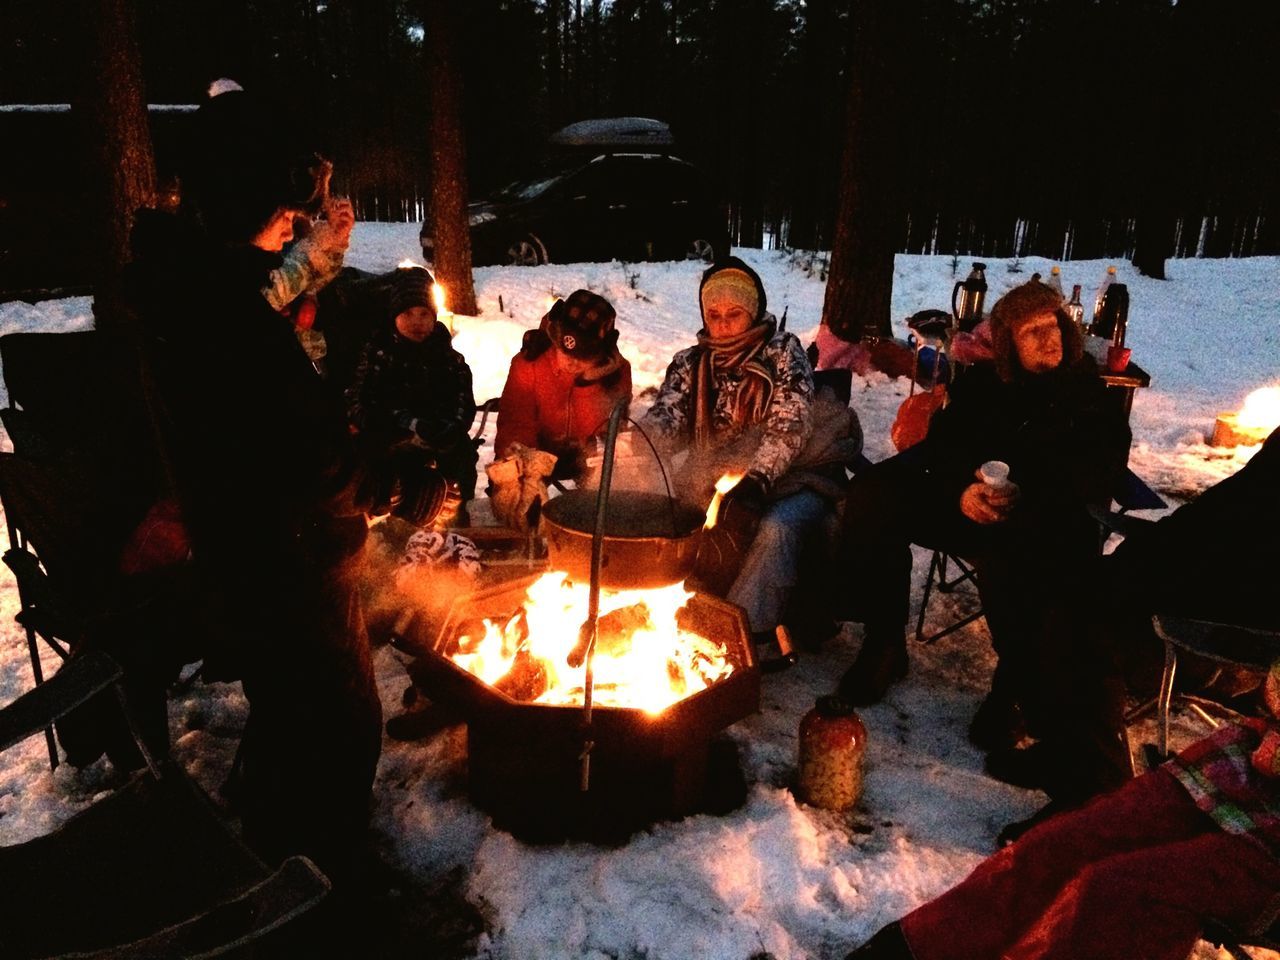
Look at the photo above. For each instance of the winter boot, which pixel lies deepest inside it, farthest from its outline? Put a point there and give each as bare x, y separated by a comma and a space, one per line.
774, 650
888, 944
881, 662
998, 723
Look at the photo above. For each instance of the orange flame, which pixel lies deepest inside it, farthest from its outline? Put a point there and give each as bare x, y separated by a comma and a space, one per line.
649, 665
723, 486
438, 297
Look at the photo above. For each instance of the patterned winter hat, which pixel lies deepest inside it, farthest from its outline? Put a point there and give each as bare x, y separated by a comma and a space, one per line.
411, 287
732, 278
582, 325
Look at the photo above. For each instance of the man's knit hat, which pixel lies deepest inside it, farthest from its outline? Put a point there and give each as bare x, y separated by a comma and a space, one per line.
582, 325
411, 287
731, 278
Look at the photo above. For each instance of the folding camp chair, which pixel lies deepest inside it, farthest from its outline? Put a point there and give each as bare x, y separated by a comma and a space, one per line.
1130, 493
83, 473
150, 871
1248, 647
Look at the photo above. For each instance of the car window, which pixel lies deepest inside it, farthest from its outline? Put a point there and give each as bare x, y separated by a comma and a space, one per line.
674, 182
528, 189
595, 182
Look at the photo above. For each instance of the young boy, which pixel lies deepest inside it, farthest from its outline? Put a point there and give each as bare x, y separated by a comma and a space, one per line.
411, 396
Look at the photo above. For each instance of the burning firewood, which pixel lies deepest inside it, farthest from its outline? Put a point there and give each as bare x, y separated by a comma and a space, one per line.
614, 630
515, 632
526, 681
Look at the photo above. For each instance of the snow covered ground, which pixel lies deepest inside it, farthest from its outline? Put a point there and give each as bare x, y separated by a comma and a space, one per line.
775, 877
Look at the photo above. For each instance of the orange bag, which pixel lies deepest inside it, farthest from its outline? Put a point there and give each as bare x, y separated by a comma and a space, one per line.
912, 422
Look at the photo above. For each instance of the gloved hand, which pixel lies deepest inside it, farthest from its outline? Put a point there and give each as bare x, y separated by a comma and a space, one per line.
423, 495
516, 483
747, 500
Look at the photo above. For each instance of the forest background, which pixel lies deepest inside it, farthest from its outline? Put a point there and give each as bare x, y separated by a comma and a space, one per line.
1061, 128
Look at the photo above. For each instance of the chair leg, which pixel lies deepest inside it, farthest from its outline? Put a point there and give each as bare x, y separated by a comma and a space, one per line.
937, 564
33, 648
1165, 701
938, 568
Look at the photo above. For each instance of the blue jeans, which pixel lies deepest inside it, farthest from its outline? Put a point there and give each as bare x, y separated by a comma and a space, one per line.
768, 572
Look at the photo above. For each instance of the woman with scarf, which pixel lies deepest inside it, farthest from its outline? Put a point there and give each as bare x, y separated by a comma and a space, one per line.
741, 400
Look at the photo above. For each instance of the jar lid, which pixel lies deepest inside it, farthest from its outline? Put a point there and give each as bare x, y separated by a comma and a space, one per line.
832, 706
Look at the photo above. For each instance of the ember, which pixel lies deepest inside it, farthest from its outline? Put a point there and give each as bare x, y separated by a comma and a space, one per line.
644, 658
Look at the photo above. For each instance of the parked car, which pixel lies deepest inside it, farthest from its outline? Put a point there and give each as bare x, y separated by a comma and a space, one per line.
616, 205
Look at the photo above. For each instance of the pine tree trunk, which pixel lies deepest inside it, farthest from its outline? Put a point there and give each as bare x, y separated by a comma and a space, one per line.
120, 160
860, 285
555, 80
1153, 243
451, 233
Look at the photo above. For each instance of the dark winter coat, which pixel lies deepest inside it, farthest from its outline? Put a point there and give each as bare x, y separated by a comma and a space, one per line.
273, 494
419, 393
422, 388
267, 473
1202, 560
1065, 438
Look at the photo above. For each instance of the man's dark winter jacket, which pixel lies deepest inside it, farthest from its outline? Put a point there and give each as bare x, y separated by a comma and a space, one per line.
266, 470
1064, 437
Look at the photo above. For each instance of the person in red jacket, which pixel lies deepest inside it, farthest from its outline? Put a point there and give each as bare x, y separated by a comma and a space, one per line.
564, 382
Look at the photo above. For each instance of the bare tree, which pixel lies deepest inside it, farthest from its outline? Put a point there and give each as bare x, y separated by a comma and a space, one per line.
860, 284
121, 162
451, 233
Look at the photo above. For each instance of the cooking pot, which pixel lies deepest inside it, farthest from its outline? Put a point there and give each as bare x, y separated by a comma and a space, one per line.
650, 540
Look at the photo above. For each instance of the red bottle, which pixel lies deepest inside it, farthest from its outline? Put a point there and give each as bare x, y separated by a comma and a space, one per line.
833, 741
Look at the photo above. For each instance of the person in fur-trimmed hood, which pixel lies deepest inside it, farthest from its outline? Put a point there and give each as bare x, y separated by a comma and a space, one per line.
564, 382
742, 400
1042, 409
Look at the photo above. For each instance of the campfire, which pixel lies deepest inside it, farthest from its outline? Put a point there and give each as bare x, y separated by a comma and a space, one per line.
1257, 418
644, 658
672, 669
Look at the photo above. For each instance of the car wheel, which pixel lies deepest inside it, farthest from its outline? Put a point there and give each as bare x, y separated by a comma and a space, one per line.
527, 252
701, 250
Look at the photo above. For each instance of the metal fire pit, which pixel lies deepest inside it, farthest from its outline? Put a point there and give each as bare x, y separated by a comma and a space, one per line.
524, 759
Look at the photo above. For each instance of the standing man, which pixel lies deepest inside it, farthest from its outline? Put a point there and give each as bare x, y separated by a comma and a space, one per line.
271, 489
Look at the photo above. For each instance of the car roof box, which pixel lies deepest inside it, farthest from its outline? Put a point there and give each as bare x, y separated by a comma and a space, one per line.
612, 133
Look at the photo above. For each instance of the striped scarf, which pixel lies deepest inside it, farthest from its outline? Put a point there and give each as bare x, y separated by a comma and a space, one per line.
737, 353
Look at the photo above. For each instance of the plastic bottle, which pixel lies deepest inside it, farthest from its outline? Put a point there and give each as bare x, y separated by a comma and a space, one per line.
833, 742
1075, 309
1055, 279
1107, 281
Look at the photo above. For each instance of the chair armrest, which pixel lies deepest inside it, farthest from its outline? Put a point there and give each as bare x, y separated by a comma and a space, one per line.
295, 887
78, 680
1121, 523
1252, 647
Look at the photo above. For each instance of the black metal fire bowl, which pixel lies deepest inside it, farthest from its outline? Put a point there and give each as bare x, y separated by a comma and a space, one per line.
524, 759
